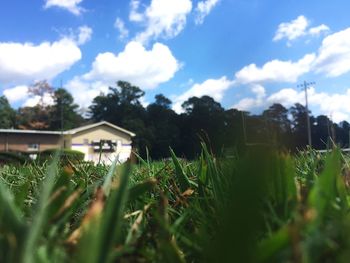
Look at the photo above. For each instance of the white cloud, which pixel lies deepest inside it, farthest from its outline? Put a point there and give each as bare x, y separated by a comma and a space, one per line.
20, 94
333, 105
259, 91
332, 58
16, 94
211, 87
292, 30
70, 5
135, 15
144, 68
163, 18
297, 28
144, 102
123, 32
286, 97
275, 71
84, 92
26, 62
247, 104
84, 35
35, 100
316, 31
334, 54
203, 9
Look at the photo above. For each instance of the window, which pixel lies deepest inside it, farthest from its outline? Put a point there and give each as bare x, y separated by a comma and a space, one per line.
33, 147
86, 141
104, 146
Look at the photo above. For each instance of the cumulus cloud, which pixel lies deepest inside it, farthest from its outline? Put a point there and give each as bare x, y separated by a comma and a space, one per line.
297, 28
203, 9
334, 54
247, 104
70, 5
286, 97
32, 101
163, 18
332, 59
292, 30
135, 64
333, 105
20, 94
16, 94
84, 92
275, 71
26, 62
211, 87
84, 35
316, 31
145, 68
120, 26
135, 15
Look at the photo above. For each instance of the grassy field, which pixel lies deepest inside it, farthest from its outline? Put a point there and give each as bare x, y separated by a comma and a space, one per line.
263, 206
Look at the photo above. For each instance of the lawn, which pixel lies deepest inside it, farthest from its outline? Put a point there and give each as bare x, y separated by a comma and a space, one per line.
261, 206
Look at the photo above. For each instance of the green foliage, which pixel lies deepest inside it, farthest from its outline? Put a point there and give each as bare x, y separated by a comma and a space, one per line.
65, 155
7, 114
257, 207
158, 126
63, 113
13, 158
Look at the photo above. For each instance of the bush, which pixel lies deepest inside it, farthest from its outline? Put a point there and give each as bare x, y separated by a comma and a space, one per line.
13, 158
66, 154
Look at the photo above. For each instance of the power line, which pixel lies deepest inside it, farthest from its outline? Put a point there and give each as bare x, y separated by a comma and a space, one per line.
305, 86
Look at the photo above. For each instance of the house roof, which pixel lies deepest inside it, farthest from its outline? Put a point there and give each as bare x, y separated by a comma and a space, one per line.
86, 127
31, 131
72, 131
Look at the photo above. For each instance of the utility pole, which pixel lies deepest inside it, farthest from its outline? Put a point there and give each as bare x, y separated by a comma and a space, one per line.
305, 86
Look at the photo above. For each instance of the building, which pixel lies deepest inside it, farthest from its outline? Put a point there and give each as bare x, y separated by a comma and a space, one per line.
99, 141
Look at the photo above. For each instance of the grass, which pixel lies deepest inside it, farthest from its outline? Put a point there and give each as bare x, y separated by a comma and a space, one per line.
263, 206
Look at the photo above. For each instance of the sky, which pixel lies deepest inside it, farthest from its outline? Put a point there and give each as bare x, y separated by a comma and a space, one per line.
246, 54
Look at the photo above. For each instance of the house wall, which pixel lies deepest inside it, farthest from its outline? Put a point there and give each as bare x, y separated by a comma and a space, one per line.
82, 140
20, 141
103, 132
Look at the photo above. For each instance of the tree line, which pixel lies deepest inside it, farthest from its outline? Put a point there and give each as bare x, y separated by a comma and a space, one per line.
158, 127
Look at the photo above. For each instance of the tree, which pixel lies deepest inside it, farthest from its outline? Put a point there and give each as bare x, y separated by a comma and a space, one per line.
162, 123
38, 116
64, 111
278, 124
33, 118
119, 104
343, 133
43, 90
129, 94
322, 132
234, 130
203, 119
122, 107
7, 114
299, 125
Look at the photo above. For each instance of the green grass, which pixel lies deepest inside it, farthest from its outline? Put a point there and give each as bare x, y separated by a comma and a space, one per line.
263, 206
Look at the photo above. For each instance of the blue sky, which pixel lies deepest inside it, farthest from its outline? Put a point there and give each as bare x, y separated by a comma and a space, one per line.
245, 54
